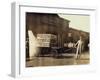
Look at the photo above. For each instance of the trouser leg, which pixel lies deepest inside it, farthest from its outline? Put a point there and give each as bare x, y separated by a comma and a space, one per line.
77, 51
80, 52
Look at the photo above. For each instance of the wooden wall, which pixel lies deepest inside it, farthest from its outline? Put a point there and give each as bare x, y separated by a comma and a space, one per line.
48, 23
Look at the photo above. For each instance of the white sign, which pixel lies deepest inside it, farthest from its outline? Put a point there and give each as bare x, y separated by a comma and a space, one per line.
43, 40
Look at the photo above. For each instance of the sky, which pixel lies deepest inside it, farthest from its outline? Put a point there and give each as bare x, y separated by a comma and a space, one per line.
80, 22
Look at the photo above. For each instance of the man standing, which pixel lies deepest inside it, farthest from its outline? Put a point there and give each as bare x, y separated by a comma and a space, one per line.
79, 45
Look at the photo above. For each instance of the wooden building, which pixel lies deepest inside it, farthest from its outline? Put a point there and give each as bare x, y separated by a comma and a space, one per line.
44, 23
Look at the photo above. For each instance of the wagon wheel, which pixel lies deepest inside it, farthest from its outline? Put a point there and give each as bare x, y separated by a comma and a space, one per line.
54, 53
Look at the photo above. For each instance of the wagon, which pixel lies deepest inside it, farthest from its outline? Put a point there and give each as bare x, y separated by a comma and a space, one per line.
49, 46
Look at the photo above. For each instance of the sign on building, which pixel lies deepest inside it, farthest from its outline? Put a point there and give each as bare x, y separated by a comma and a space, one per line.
44, 40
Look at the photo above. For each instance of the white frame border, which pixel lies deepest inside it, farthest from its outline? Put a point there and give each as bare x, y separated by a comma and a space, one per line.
18, 69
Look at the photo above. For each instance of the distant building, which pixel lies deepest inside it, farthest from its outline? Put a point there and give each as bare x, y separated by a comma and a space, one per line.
74, 35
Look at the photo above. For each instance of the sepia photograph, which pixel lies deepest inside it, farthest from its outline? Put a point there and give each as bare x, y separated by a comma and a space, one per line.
57, 39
